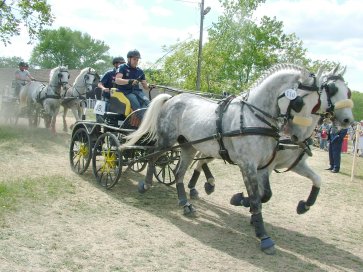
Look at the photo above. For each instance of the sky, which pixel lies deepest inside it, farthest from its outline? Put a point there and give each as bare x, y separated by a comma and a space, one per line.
329, 29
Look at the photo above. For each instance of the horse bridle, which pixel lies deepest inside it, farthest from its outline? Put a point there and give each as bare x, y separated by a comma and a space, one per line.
331, 90
297, 103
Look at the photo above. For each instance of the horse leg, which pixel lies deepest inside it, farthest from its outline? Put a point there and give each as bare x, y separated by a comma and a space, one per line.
251, 180
208, 186
54, 120
76, 113
65, 126
186, 157
143, 186
304, 170
265, 192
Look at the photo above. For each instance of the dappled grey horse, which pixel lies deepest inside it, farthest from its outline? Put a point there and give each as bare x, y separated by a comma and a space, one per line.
75, 96
36, 96
335, 99
244, 130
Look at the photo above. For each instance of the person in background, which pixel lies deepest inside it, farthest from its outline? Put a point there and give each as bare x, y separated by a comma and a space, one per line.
128, 77
22, 76
324, 139
335, 137
108, 79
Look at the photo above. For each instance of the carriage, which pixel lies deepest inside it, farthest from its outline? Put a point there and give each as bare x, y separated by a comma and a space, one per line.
97, 144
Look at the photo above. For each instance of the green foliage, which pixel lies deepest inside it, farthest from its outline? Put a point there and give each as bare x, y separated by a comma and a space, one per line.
32, 14
237, 52
10, 62
72, 48
357, 98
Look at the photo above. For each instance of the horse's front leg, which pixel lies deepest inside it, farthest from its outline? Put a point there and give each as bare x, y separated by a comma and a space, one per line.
53, 123
75, 112
251, 180
65, 126
304, 170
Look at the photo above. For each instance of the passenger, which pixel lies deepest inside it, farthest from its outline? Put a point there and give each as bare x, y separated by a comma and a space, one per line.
22, 76
128, 78
108, 80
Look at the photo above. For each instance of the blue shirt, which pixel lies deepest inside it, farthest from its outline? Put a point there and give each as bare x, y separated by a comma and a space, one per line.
130, 73
108, 80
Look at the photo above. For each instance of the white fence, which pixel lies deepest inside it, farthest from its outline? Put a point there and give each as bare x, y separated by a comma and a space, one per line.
91, 103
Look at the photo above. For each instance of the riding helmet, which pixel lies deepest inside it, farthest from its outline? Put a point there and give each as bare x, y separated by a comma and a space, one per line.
134, 54
22, 63
118, 60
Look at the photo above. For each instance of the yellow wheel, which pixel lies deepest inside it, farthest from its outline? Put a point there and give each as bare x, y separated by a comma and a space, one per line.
80, 151
107, 160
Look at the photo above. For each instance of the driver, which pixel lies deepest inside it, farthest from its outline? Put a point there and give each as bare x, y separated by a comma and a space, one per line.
22, 76
128, 77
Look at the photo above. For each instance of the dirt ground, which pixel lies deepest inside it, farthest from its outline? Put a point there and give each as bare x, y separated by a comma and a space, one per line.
82, 227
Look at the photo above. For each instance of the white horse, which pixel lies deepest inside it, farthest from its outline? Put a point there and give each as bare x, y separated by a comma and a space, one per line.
244, 130
37, 97
335, 98
75, 97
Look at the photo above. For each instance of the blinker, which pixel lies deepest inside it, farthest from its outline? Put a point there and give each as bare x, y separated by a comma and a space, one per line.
297, 104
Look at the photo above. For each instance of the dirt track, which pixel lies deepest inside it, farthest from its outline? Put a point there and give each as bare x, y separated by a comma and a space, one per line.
71, 224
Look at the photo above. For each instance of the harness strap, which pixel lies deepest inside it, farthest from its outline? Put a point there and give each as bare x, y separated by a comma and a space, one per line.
298, 159
272, 158
223, 152
305, 150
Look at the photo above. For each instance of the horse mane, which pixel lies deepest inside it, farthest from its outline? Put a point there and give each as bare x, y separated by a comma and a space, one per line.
279, 67
83, 72
53, 72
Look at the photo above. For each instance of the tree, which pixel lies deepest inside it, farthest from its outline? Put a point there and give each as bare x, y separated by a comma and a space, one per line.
73, 48
11, 62
33, 14
238, 51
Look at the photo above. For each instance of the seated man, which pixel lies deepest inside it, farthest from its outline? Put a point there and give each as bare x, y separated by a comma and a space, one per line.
128, 77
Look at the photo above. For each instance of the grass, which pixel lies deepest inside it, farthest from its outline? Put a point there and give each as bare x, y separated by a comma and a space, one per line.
15, 192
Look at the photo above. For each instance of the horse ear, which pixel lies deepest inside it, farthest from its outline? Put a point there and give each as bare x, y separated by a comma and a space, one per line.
333, 72
320, 71
342, 71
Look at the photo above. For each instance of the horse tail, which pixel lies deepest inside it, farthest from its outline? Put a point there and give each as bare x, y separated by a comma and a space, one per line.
149, 121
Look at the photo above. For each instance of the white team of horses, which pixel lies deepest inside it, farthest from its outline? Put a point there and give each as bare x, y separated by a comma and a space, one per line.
36, 97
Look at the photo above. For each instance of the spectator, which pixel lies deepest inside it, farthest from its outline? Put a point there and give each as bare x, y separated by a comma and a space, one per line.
335, 137
324, 139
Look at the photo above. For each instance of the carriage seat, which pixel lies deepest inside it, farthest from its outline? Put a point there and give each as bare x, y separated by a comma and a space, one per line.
119, 108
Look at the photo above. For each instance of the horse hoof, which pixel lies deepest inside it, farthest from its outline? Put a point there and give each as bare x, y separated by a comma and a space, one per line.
209, 188
268, 246
189, 210
301, 207
141, 187
239, 200
194, 194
